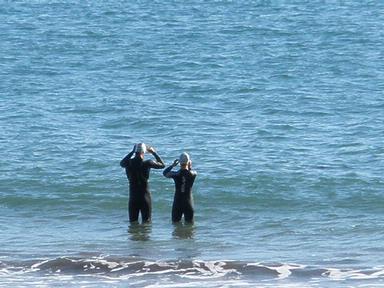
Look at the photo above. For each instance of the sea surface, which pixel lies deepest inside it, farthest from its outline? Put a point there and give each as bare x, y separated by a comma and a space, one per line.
279, 103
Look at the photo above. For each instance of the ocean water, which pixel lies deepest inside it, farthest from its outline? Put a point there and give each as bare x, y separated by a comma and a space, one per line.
279, 103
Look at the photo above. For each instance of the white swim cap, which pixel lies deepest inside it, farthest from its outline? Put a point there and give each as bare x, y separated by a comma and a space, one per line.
140, 148
184, 158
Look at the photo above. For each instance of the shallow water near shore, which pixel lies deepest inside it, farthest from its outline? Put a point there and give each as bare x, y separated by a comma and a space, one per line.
279, 104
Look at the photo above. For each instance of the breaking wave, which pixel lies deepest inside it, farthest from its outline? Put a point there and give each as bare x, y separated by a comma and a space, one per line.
133, 267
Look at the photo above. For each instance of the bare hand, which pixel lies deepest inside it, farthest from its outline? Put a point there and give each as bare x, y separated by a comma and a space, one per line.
151, 149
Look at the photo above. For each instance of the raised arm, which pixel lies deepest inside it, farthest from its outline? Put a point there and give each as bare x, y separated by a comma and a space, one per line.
193, 172
158, 164
125, 161
167, 172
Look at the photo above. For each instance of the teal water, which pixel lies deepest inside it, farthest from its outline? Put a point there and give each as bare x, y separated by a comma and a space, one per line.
279, 103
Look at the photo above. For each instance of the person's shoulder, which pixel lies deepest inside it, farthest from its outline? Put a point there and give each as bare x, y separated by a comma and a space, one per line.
193, 172
148, 162
175, 174
128, 162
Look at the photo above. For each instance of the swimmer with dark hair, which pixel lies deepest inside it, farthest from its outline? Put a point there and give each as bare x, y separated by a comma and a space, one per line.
184, 179
137, 170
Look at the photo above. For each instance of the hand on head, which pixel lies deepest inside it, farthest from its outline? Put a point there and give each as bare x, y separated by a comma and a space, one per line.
151, 149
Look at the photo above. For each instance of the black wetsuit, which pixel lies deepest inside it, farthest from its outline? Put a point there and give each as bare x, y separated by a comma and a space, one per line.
137, 171
183, 200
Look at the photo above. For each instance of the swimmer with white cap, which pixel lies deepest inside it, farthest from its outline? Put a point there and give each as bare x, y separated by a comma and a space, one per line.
137, 170
184, 179
140, 148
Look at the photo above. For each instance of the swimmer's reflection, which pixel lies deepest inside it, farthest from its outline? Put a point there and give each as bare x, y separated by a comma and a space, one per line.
183, 230
140, 232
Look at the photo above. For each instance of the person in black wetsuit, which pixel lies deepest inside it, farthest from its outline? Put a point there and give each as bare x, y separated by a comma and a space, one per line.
184, 179
137, 171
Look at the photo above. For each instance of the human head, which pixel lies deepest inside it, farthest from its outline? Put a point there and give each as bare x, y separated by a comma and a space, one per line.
184, 159
140, 148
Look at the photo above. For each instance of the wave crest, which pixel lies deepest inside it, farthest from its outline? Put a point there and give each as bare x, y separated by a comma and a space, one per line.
133, 267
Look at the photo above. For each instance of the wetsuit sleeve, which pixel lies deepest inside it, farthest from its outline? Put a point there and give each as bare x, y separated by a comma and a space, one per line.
168, 173
158, 164
124, 163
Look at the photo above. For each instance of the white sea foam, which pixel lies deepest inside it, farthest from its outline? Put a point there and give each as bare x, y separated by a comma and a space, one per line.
338, 274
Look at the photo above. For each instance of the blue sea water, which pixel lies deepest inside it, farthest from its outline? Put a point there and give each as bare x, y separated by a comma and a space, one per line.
279, 103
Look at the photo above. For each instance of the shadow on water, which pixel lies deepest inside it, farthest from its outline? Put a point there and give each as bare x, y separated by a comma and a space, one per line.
183, 231
140, 232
